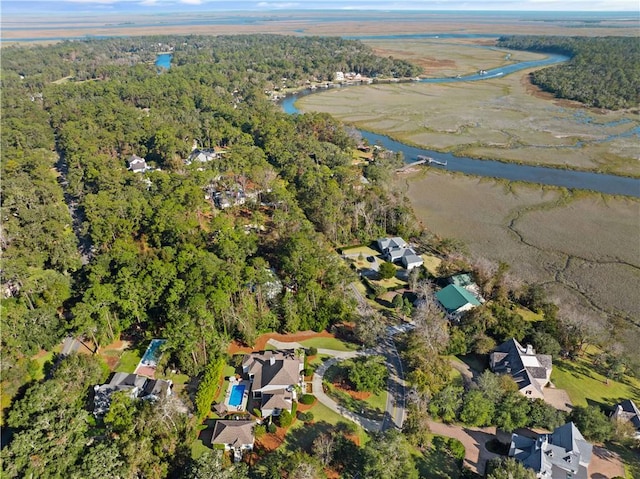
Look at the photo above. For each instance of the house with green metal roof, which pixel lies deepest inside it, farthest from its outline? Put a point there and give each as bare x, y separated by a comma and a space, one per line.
456, 300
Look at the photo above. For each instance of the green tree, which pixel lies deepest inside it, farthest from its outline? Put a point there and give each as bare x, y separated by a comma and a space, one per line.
508, 468
592, 423
446, 403
367, 374
386, 456
387, 270
476, 409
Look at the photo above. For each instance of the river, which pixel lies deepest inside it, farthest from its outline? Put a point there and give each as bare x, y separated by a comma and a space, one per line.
602, 183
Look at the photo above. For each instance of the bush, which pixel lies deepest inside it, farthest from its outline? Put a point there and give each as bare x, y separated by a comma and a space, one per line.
271, 428
312, 351
259, 431
285, 419
257, 412
305, 416
456, 448
307, 399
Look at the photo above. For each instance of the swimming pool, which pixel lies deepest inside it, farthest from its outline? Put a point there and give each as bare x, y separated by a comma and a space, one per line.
237, 391
152, 354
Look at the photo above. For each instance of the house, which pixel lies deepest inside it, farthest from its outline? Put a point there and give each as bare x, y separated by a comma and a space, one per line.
411, 260
205, 155
627, 411
560, 455
234, 435
137, 164
529, 370
385, 244
139, 387
465, 280
273, 376
396, 249
455, 300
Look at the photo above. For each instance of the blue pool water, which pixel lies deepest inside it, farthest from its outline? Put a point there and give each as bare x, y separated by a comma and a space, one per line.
237, 391
164, 60
153, 353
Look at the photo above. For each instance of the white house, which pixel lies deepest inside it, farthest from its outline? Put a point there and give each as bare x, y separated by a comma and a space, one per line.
137, 164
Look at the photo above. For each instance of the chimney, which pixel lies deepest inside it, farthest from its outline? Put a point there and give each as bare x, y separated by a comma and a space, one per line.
272, 360
529, 350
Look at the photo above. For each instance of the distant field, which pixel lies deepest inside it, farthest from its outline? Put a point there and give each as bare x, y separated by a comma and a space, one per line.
298, 22
583, 247
506, 119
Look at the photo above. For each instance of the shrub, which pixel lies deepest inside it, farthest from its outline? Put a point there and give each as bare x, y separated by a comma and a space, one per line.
257, 412
259, 431
271, 428
312, 351
456, 448
285, 419
307, 399
305, 416
308, 372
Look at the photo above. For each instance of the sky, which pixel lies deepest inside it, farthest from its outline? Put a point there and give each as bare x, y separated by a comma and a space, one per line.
160, 6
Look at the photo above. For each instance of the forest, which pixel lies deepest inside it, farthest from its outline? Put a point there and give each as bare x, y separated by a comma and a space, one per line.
95, 250
603, 72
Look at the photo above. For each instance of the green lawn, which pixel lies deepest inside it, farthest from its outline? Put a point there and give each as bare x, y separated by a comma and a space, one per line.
431, 263
329, 343
322, 413
42, 360
364, 250
128, 361
317, 360
529, 315
583, 383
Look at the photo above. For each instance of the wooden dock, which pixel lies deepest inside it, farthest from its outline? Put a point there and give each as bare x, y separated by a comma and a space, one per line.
422, 160
430, 161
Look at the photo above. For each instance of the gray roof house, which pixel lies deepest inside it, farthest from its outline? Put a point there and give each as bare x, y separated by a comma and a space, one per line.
529, 370
396, 249
560, 455
137, 164
140, 387
235, 435
627, 411
273, 375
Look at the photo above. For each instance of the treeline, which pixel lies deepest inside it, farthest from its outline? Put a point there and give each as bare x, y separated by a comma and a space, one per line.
603, 72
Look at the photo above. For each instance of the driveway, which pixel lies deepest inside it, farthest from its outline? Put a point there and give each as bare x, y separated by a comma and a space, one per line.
473, 439
605, 464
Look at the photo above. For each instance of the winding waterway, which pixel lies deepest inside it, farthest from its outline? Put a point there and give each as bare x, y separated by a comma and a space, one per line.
602, 183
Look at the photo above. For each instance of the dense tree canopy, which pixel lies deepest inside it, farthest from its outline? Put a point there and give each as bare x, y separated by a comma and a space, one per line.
603, 71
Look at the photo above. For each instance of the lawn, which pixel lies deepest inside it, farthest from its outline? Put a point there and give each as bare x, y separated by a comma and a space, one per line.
431, 263
358, 250
529, 315
329, 343
129, 361
585, 385
322, 413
